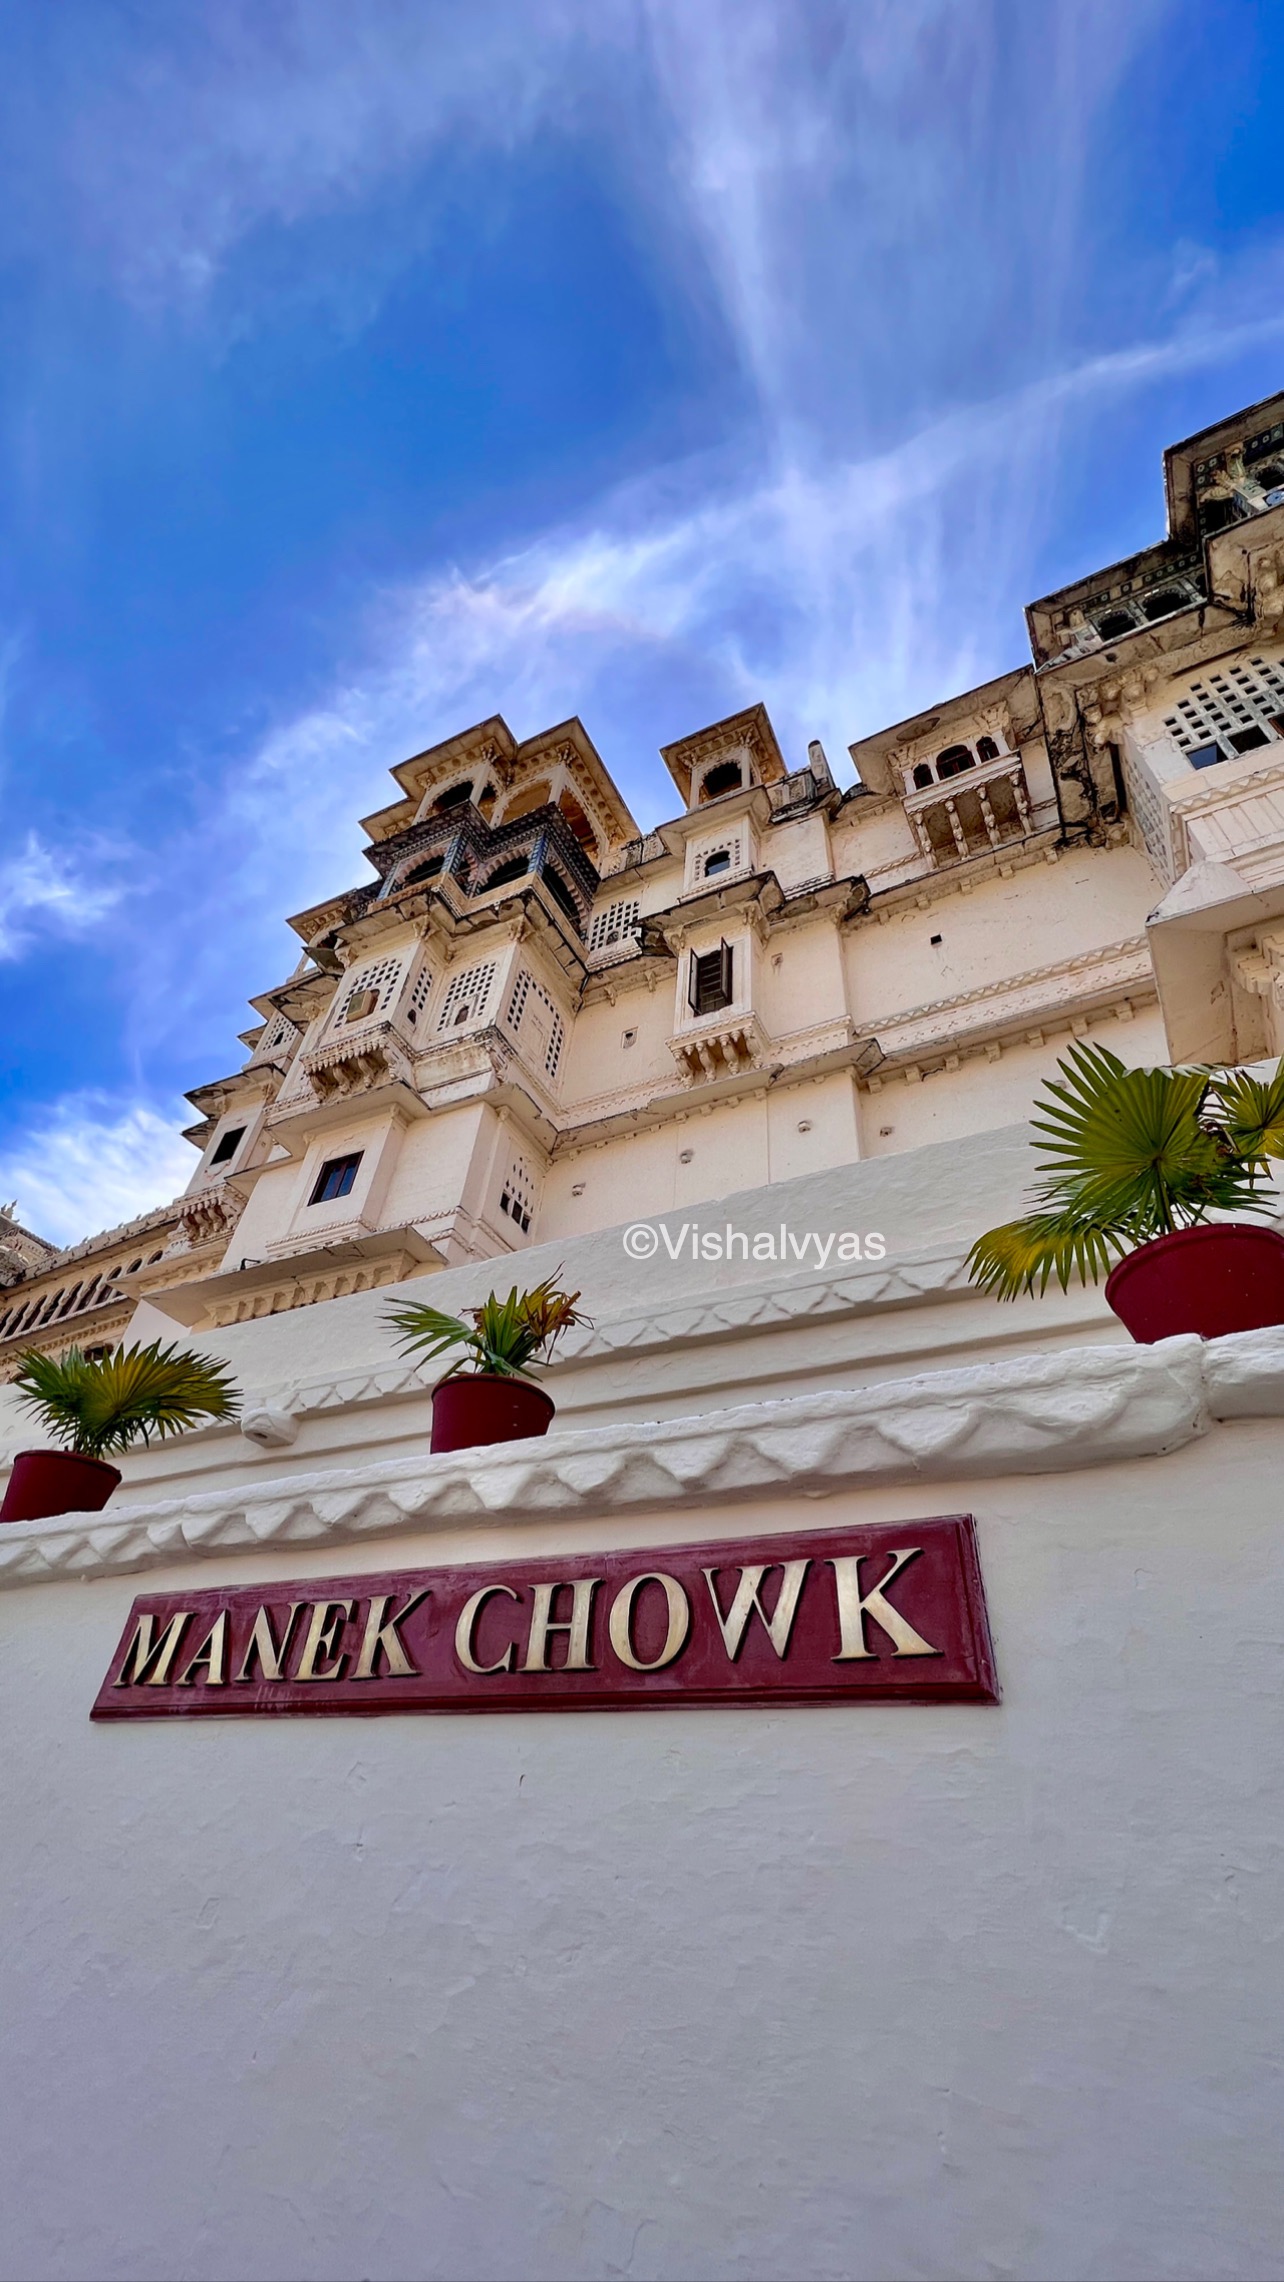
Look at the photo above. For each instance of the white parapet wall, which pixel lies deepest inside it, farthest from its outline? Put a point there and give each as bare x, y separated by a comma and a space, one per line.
862, 1990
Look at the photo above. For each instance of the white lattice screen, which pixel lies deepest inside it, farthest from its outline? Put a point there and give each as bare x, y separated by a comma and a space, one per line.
534, 1019
383, 978
517, 1195
1237, 708
614, 925
419, 996
466, 997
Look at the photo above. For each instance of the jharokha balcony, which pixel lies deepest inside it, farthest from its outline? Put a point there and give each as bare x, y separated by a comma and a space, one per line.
460, 851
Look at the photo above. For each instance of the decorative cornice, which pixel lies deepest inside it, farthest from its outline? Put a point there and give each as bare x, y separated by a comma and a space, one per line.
1040, 1413
1112, 968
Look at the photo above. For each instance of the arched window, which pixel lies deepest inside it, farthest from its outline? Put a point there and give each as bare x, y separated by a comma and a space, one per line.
561, 895
513, 868
531, 796
1115, 625
954, 760
725, 776
454, 796
427, 870
986, 749
578, 821
719, 861
1163, 605
923, 776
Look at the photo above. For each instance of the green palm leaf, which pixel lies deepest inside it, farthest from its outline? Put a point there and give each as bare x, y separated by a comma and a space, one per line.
428, 1328
1025, 1254
1125, 1145
1128, 1155
98, 1408
506, 1336
1253, 1110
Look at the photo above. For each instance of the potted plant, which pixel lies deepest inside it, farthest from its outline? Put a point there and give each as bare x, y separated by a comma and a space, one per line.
99, 1407
487, 1395
1135, 1161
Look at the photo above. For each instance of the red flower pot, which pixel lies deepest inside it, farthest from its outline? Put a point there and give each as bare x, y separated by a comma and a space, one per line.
486, 1408
1212, 1279
46, 1482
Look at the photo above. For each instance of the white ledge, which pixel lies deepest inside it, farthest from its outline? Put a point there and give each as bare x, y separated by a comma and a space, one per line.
1049, 1412
743, 1310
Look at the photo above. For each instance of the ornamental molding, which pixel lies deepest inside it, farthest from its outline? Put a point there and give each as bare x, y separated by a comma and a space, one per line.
992, 720
1115, 967
345, 1066
208, 1218
1034, 1413
1198, 800
859, 1290
722, 1049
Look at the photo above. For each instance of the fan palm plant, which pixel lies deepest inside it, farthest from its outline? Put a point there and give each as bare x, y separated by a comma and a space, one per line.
96, 1407
1130, 1155
503, 1338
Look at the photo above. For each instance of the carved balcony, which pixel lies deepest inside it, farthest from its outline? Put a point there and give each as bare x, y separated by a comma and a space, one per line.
973, 813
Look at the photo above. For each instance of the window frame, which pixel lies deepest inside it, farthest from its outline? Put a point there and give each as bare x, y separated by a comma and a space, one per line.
720, 979
348, 1165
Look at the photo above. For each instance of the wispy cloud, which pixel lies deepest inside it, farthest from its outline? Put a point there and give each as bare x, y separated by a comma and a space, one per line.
872, 224
163, 139
89, 1163
890, 206
45, 891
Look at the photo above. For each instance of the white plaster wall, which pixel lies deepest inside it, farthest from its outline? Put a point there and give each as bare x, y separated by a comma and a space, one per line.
799, 979
437, 1164
597, 1061
933, 1991
875, 840
998, 929
966, 1101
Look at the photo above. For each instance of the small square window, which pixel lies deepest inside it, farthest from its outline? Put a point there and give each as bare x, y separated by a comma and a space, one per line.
335, 1179
229, 1142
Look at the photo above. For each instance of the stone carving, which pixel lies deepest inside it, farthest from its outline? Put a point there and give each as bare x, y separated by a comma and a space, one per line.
208, 1218
1027, 1414
347, 1066
271, 1428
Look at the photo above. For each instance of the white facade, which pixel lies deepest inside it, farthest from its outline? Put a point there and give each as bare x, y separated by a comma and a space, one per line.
869, 1990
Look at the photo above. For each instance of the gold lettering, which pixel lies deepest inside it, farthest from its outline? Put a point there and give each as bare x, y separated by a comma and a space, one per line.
381, 1633
261, 1643
144, 1650
466, 1632
576, 1625
212, 1653
620, 1622
854, 1606
778, 1626
323, 1630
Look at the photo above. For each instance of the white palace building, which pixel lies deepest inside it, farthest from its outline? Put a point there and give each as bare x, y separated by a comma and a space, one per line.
936, 1987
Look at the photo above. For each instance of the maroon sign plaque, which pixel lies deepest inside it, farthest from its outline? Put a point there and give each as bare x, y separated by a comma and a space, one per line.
829, 1616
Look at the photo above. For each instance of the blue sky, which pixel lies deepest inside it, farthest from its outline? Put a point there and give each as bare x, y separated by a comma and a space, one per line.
368, 371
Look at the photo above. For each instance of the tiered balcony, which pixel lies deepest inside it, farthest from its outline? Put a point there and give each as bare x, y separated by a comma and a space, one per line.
461, 855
